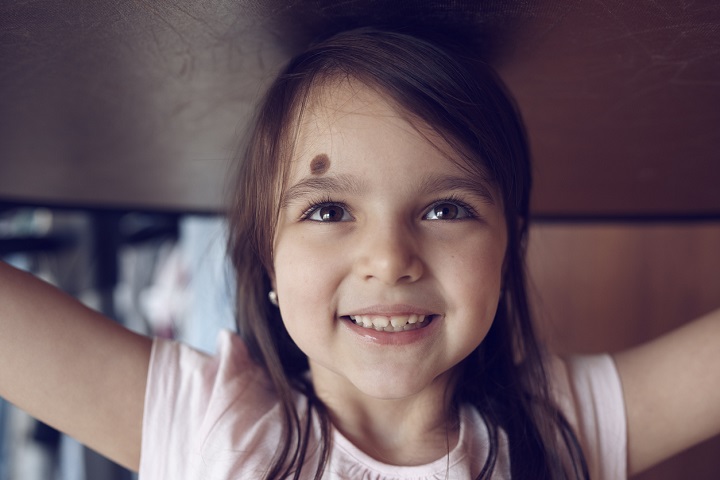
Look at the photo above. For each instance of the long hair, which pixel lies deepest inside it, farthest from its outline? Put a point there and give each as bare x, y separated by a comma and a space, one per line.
437, 82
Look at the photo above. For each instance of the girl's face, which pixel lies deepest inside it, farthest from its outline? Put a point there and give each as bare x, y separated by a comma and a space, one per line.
388, 258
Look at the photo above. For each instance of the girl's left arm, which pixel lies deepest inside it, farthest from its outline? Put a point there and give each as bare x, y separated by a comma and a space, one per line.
672, 392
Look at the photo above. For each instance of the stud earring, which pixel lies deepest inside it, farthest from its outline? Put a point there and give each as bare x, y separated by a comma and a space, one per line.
272, 296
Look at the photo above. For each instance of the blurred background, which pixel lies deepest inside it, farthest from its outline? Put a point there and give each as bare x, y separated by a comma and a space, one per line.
120, 122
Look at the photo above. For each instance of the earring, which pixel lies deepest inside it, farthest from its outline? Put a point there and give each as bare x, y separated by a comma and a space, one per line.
272, 296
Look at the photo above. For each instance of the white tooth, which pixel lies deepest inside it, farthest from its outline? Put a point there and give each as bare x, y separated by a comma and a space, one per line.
396, 323
399, 321
381, 322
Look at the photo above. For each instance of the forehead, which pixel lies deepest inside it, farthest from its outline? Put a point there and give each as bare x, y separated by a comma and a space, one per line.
348, 120
351, 139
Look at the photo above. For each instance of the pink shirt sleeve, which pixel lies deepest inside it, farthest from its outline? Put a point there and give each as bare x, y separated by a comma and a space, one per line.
166, 425
196, 405
589, 392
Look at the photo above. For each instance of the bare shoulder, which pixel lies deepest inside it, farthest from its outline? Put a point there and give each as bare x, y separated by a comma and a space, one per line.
671, 387
71, 367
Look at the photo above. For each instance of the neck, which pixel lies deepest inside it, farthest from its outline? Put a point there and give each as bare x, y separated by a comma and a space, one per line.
410, 431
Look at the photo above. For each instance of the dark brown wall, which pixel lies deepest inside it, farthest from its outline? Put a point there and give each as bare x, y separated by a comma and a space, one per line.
141, 104
601, 287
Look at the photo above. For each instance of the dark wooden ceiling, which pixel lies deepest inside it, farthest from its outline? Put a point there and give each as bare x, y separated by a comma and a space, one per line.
134, 104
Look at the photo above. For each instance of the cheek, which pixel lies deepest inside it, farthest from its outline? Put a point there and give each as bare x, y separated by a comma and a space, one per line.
478, 261
476, 293
304, 277
305, 288
472, 279
475, 284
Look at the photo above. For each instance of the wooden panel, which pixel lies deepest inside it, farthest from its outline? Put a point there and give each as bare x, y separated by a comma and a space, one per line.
140, 105
125, 104
622, 102
605, 287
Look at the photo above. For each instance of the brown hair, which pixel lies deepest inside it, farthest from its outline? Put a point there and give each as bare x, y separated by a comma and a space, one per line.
463, 100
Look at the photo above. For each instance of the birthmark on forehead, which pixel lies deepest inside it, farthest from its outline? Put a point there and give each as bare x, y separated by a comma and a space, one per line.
320, 164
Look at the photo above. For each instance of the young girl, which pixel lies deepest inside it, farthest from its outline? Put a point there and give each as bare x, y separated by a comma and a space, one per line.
378, 232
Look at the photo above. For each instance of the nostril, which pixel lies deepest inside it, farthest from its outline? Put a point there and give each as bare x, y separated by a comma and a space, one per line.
390, 256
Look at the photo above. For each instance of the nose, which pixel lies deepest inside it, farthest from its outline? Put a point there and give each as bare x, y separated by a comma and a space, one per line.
389, 254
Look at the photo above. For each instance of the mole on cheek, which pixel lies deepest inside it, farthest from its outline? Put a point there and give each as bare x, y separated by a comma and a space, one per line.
320, 164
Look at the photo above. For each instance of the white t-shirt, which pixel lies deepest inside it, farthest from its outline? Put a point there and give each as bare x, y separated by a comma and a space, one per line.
217, 418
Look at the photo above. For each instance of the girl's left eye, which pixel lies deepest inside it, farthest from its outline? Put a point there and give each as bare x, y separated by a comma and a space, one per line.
448, 211
329, 212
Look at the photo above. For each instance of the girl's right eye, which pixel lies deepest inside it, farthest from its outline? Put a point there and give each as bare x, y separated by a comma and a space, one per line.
327, 212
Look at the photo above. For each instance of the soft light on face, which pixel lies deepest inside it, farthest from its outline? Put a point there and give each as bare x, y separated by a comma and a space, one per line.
387, 257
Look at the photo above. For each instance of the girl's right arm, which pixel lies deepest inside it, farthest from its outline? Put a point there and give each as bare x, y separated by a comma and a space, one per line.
71, 367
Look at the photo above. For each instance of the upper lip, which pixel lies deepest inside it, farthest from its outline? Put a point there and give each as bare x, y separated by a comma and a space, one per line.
390, 310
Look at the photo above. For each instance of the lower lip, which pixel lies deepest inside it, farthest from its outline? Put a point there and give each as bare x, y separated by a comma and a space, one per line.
392, 338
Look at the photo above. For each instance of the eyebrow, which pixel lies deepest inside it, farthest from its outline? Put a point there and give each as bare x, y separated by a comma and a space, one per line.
312, 185
444, 183
348, 184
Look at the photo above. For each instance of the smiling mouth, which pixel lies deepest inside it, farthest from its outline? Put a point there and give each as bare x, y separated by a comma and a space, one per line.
395, 323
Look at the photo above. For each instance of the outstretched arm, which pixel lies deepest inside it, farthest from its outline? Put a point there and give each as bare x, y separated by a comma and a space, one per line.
672, 392
71, 367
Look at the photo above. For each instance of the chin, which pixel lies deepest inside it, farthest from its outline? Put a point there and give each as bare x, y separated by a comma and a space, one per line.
391, 386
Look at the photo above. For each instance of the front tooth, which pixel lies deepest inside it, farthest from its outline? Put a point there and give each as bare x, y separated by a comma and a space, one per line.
380, 322
399, 321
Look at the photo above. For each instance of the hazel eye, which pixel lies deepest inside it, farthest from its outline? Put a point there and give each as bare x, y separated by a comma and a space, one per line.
447, 211
329, 213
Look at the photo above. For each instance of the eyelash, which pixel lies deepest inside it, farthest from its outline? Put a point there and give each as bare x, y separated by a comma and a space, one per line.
314, 205
471, 213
